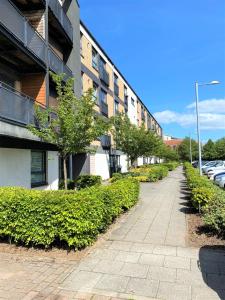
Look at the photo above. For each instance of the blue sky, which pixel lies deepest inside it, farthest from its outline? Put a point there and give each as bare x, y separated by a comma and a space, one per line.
162, 48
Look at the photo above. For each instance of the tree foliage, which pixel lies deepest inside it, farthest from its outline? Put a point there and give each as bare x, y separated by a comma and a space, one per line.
72, 125
209, 150
132, 140
220, 148
184, 149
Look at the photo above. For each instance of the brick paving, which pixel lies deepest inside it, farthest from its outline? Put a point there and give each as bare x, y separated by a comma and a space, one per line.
144, 257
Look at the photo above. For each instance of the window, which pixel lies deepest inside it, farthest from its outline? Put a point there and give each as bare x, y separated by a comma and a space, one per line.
94, 59
81, 43
95, 93
82, 81
116, 107
103, 96
132, 101
115, 79
102, 63
38, 168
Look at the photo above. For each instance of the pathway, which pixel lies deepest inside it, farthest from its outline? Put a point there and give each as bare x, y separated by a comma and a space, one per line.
144, 257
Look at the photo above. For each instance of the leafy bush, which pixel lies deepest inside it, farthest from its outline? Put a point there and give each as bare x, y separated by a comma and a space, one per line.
209, 197
70, 184
142, 178
84, 181
171, 165
116, 176
74, 219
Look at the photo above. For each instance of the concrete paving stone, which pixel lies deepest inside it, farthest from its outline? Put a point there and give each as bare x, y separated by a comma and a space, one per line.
191, 277
83, 296
131, 257
152, 259
216, 281
120, 245
104, 254
188, 252
177, 262
115, 283
81, 281
165, 250
134, 270
100, 297
162, 274
107, 266
173, 291
88, 264
142, 287
142, 247
206, 293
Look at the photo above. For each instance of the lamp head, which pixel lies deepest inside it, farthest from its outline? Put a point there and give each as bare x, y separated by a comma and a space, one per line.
215, 82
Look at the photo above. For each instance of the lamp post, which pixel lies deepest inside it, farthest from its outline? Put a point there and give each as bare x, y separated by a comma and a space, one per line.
197, 116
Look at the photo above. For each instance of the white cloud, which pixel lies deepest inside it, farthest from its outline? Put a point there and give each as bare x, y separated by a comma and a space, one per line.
210, 106
211, 117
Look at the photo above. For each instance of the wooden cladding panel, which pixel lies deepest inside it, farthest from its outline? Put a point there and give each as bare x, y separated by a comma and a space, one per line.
34, 86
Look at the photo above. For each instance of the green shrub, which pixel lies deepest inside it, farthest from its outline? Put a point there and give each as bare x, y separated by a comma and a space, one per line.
202, 196
84, 181
142, 178
116, 176
171, 165
70, 218
70, 184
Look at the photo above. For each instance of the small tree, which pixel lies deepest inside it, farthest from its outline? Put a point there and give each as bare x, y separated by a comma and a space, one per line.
167, 153
72, 125
133, 141
184, 149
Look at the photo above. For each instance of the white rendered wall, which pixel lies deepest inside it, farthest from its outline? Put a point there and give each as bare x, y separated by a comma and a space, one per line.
101, 165
15, 167
123, 163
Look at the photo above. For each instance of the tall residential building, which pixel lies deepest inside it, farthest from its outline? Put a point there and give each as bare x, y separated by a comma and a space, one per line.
36, 37
42, 36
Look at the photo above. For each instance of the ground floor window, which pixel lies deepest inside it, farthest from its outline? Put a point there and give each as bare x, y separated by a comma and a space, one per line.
38, 168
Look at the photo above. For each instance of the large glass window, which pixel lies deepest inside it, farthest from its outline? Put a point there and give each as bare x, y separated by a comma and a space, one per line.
38, 168
95, 92
103, 96
94, 59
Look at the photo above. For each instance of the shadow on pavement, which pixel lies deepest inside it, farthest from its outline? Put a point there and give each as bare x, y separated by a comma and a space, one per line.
211, 263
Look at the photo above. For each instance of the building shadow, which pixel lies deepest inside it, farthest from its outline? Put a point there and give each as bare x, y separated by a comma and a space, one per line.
211, 263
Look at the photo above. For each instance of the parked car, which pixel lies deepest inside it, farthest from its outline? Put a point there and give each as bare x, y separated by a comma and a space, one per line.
212, 173
217, 177
221, 181
212, 165
195, 163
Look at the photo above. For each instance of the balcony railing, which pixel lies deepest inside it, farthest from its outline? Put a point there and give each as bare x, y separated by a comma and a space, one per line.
15, 106
21, 29
104, 108
61, 16
105, 141
116, 89
57, 65
104, 75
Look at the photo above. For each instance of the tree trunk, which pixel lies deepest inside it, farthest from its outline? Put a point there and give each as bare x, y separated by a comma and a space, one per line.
65, 172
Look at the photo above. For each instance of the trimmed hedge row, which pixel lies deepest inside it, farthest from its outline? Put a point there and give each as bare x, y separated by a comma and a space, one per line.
208, 198
146, 173
68, 218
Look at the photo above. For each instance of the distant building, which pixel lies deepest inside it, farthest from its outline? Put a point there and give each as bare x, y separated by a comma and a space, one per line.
172, 142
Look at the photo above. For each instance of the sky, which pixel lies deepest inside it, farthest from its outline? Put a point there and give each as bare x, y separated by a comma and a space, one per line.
162, 47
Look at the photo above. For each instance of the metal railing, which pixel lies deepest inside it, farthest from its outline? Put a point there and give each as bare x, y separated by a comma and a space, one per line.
104, 108
57, 65
104, 75
15, 106
116, 89
21, 29
61, 16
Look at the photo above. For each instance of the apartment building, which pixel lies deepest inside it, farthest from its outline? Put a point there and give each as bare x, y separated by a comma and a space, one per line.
36, 37
113, 95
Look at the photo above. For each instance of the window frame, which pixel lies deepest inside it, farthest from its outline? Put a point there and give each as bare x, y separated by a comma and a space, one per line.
44, 171
95, 64
102, 92
96, 88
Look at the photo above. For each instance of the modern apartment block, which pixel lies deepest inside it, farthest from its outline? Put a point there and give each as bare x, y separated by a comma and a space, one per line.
114, 95
36, 37
42, 36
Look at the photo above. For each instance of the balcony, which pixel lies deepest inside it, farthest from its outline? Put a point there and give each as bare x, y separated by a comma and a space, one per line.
104, 75
116, 89
21, 29
105, 141
62, 18
15, 106
104, 108
125, 100
56, 65
143, 116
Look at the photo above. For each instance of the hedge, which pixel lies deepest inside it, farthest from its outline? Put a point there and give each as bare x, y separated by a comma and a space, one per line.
82, 181
146, 173
70, 218
209, 198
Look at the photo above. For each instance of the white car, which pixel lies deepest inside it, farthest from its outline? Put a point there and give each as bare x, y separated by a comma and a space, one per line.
219, 166
221, 181
217, 177
212, 173
209, 165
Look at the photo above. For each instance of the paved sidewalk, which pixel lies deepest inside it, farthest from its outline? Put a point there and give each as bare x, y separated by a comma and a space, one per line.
144, 257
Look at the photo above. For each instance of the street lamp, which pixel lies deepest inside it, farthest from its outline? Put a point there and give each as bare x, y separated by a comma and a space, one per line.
197, 116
